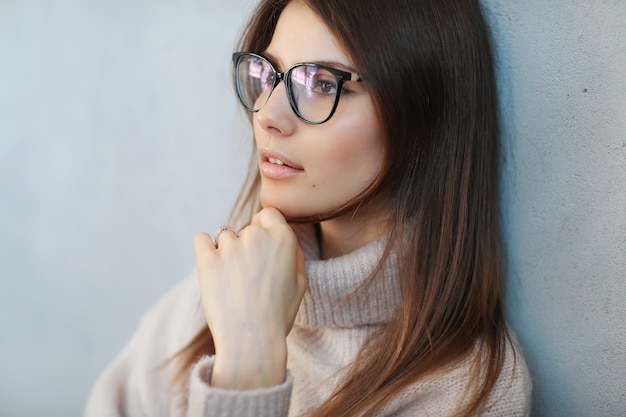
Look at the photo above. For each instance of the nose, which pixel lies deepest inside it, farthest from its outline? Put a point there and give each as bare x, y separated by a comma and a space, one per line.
276, 114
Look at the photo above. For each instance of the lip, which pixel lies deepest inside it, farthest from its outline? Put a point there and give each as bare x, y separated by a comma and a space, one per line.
274, 171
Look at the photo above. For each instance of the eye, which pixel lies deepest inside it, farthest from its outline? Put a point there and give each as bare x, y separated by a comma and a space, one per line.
315, 81
324, 86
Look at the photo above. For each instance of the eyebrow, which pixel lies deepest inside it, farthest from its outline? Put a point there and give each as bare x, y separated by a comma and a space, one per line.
333, 64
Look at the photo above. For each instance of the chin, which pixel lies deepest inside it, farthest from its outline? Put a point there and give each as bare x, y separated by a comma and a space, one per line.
290, 210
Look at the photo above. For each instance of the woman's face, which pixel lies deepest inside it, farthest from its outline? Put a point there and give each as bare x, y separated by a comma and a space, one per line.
309, 170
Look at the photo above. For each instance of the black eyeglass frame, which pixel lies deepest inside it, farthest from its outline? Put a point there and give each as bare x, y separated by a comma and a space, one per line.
340, 77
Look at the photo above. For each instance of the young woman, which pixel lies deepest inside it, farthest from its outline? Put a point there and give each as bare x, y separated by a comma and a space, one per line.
367, 278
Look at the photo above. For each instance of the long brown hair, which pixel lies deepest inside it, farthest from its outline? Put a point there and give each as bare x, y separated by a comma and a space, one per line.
429, 69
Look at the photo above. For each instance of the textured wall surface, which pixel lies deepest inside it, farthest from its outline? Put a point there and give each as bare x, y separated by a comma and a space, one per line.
120, 138
563, 78
562, 69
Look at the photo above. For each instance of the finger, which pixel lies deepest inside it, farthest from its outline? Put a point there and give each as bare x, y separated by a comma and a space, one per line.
224, 233
268, 217
204, 247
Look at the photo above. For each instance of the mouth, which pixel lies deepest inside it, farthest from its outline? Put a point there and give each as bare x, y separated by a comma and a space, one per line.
277, 159
276, 166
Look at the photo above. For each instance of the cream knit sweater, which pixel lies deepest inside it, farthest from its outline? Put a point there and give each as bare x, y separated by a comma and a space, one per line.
326, 337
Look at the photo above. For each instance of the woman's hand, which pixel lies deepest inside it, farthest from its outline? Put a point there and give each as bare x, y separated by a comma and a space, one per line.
251, 288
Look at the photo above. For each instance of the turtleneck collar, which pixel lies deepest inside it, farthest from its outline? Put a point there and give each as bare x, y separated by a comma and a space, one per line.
335, 297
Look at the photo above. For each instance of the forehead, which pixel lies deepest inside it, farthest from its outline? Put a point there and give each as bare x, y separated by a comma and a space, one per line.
300, 36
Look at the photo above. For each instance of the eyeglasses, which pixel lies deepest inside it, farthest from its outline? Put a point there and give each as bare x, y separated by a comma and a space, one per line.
313, 90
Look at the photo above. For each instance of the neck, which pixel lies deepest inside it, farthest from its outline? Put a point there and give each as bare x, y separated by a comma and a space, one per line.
349, 232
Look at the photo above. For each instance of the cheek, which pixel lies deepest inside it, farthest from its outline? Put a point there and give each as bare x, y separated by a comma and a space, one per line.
365, 140
362, 144
356, 156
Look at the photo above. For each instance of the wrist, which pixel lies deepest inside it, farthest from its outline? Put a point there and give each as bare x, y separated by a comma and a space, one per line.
249, 363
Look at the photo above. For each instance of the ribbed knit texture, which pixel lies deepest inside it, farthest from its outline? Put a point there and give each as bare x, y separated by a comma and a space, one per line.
334, 297
266, 401
336, 315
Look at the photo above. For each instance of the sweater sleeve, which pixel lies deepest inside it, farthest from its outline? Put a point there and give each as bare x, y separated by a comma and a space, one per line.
205, 400
137, 381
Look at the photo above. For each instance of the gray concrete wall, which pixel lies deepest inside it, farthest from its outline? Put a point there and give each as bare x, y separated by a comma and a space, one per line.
562, 69
120, 138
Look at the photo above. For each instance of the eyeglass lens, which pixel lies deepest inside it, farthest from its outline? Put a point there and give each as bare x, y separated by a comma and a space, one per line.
312, 90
